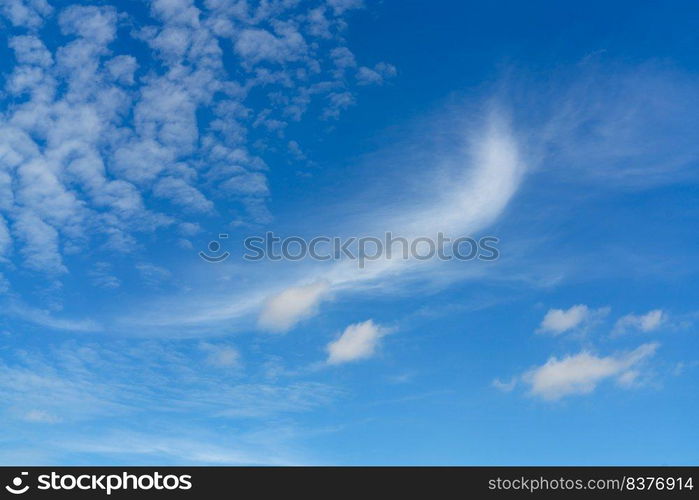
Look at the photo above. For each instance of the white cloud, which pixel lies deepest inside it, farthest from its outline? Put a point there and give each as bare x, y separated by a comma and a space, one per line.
26, 13
85, 146
84, 380
358, 341
618, 125
256, 45
97, 24
375, 76
474, 200
560, 320
469, 190
40, 249
343, 58
30, 50
505, 386
110, 384
629, 379
48, 320
266, 447
221, 356
182, 193
246, 183
337, 102
557, 321
581, 373
282, 311
643, 322
340, 6
101, 276
122, 69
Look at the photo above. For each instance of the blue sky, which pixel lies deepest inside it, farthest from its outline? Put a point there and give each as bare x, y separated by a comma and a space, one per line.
134, 133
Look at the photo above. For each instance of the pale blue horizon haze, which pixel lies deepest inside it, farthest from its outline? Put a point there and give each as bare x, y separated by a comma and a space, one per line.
133, 134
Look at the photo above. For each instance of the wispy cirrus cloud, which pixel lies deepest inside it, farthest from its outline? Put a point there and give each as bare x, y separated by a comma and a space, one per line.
121, 377
482, 175
485, 175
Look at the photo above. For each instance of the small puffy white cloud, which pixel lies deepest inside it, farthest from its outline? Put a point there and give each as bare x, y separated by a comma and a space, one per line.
376, 76
172, 42
557, 321
358, 341
643, 322
255, 45
181, 12
246, 183
340, 6
40, 244
166, 114
221, 356
629, 378
181, 193
141, 161
295, 150
580, 373
97, 24
318, 24
122, 69
338, 102
26, 13
343, 58
189, 228
284, 310
560, 320
505, 386
30, 50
